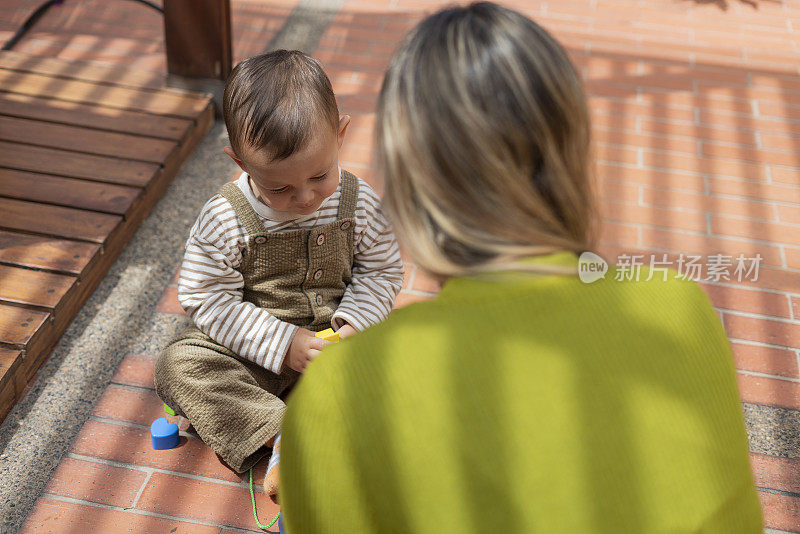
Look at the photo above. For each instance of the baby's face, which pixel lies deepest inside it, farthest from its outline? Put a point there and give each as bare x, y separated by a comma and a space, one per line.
300, 183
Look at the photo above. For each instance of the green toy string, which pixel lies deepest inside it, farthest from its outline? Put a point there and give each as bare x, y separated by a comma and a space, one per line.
255, 514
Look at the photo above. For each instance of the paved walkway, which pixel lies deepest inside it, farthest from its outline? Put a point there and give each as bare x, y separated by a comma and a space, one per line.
696, 109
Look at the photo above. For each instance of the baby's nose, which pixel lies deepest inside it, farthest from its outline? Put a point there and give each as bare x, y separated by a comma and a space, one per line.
304, 196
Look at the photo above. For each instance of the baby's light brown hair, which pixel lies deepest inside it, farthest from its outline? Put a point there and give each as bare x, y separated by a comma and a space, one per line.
274, 101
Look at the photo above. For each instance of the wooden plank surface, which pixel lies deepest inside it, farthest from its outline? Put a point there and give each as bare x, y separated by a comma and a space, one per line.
84, 140
73, 164
9, 359
12, 382
56, 220
41, 252
85, 153
161, 102
84, 70
93, 116
33, 288
108, 198
18, 325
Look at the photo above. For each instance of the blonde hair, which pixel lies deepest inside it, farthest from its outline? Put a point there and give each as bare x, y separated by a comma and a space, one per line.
483, 137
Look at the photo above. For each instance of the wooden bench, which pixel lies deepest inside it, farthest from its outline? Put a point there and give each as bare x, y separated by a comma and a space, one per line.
85, 152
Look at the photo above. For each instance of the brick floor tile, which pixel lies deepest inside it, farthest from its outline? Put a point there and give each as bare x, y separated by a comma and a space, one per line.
751, 229
738, 136
785, 175
169, 302
780, 142
647, 140
694, 221
795, 307
132, 445
620, 234
617, 153
792, 257
200, 500
767, 360
353, 152
50, 516
769, 391
96, 482
763, 330
775, 81
774, 157
779, 110
605, 121
717, 166
630, 108
775, 472
715, 118
748, 300
754, 190
781, 512
617, 191
690, 243
708, 203
652, 177
610, 88
772, 278
131, 405
788, 214
404, 299
135, 370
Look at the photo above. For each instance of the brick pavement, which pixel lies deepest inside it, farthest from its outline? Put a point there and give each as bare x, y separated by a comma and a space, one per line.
696, 117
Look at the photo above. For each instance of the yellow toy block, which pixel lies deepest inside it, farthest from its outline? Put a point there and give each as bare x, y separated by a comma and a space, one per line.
328, 335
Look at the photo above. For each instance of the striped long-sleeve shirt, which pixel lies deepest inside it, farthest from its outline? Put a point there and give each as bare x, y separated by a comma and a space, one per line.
210, 286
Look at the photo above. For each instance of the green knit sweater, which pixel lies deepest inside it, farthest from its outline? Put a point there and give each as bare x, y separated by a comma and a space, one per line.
525, 404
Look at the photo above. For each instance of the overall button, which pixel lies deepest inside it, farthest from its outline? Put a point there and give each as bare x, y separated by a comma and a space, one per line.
320, 239
319, 299
260, 240
318, 274
345, 225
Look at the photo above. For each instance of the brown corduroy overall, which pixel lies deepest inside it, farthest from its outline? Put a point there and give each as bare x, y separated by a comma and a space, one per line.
300, 277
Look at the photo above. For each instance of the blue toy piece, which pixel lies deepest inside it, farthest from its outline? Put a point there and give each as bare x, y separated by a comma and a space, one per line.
280, 525
164, 434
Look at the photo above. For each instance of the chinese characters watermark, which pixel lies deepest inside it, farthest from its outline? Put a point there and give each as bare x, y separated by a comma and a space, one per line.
636, 267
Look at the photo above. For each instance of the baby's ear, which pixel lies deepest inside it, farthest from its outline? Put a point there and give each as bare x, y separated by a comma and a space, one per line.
229, 151
344, 122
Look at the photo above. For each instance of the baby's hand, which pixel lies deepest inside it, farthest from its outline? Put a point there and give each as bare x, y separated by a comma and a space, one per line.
346, 331
304, 347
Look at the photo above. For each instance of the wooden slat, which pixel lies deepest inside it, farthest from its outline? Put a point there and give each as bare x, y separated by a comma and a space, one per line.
33, 288
56, 220
82, 70
82, 162
8, 393
9, 361
116, 120
72, 164
162, 102
84, 140
51, 253
67, 191
18, 325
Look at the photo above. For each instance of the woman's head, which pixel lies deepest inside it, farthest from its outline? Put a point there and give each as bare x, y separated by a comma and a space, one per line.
483, 135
